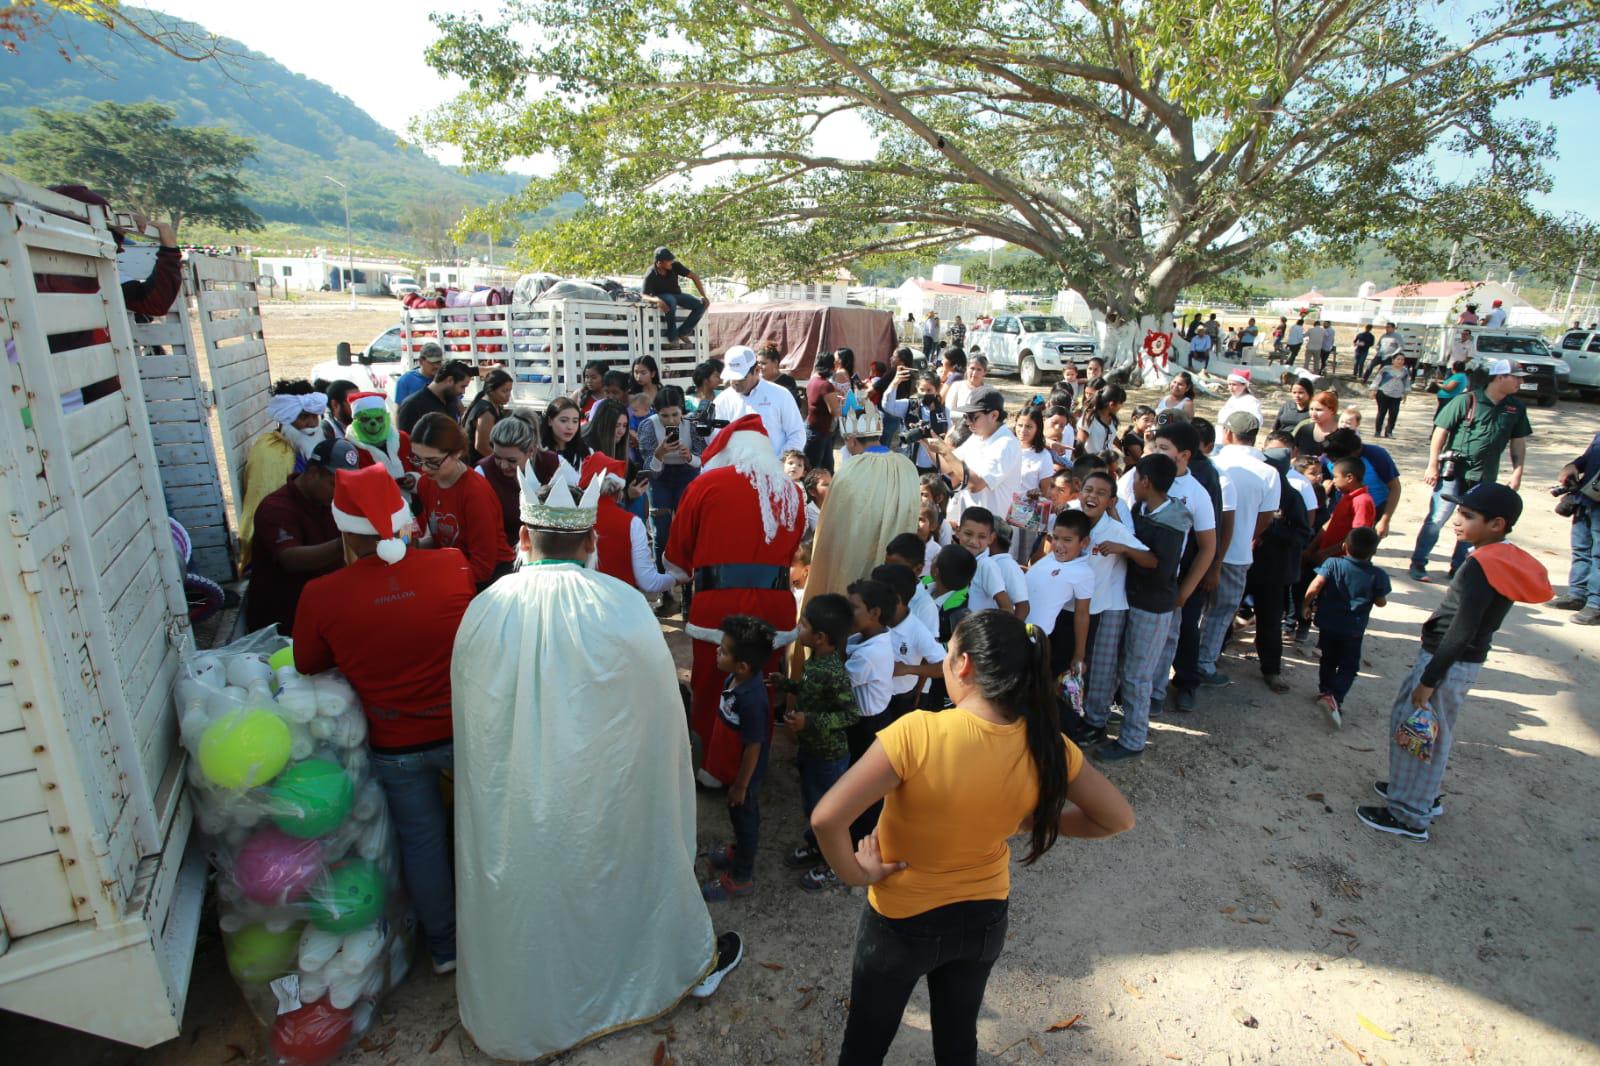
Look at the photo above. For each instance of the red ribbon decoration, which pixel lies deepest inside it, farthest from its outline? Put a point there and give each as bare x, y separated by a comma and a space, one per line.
1158, 347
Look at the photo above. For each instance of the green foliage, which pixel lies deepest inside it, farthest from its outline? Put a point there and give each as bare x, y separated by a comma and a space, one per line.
1133, 150
134, 155
301, 128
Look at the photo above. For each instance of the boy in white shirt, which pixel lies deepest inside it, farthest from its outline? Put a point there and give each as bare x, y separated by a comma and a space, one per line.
917, 652
1108, 607
869, 660
1011, 574
1060, 587
906, 550
975, 533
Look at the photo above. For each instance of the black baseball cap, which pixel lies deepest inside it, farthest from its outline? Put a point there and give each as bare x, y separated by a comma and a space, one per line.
1490, 500
664, 254
983, 398
335, 454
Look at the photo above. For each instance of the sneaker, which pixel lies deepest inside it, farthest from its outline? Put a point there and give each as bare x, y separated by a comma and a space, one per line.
725, 888
1215, 679
1418, 575
1331, 707
444, 966
1302, 636
730, 951
1111, 751
1380, 819
1157, 707
1276, 683
1183, 700
818, 878
705, 780
1567, 603
1589, 616
1086, 736
720, 856
1382, 789
804, 856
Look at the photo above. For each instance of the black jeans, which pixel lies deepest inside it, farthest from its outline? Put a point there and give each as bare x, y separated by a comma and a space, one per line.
860, 737
1268, 597
1388, 407
1186, 661
746, 822
819, 449
1341, 661
954, 947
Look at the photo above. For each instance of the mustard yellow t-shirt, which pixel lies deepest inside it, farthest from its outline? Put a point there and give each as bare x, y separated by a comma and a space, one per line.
965, 785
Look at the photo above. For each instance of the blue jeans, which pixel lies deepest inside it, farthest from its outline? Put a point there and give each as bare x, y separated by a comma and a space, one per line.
1584, 580
1439, 512
666, 489
816, 777
669, 317
411, 785
746, 822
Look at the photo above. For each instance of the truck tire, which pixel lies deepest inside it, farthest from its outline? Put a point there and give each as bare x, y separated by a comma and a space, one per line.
1028, 370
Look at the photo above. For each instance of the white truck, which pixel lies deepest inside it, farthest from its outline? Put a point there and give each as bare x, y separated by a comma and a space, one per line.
1031, 344
1547, 373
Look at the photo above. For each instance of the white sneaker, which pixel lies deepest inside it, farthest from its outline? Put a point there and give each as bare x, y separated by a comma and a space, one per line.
707, 780
730, 951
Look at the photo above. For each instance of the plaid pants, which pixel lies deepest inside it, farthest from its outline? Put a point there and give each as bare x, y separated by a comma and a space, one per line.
1413, 784
1222, 605
1169, 652
1100, 672
1143, 645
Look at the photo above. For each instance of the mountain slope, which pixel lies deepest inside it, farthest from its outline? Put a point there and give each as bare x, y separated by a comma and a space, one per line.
302, 128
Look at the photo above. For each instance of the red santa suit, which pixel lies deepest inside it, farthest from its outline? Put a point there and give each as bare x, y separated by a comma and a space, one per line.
621, 544
735, 534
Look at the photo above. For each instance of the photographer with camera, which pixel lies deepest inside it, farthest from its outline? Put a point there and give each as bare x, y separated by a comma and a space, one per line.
1470, 434
1578, 490
924, 415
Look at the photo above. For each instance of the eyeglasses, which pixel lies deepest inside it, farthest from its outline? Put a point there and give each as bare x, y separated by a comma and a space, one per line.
430, 464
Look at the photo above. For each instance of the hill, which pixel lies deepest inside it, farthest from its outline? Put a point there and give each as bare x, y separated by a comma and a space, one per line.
303, 130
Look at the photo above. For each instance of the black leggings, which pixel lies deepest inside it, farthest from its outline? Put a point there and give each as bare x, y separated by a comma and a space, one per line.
819, 449
954, 947
1388, 406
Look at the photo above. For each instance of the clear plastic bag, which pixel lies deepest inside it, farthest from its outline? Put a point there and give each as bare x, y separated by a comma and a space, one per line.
315, 925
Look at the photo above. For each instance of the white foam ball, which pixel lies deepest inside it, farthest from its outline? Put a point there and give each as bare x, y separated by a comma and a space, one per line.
297, 703
360, 949
322, 728
369, 801
232, 922
313, 986
318, 947
344, 989
248, 669
208, 671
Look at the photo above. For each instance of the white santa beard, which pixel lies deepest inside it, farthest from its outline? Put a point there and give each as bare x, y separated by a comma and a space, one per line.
304, 440
389, 456
750, 453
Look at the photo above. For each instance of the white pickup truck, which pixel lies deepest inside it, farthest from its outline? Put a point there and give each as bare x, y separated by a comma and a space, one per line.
1030, 344
374, 370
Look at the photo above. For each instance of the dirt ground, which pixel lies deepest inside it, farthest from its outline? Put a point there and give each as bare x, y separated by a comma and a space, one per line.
1247, 918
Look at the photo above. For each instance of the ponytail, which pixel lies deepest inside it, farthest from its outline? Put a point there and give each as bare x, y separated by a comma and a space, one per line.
1011, 669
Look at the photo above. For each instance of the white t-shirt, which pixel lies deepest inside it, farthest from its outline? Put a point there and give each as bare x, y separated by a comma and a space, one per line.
997, 459
914, 645
1255, 492
1054, 586
1011, 574
1110, 571
780, 415
924, 610
1242, 402
1495, 318
987, 582
870, 664
1098, 435
1036, 466
1308, 491
957, 396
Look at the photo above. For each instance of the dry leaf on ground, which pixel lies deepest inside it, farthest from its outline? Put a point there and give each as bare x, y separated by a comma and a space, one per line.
1370, 1026
1065, 1023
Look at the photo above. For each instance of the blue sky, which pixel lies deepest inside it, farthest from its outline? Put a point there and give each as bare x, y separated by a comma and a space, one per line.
371, 51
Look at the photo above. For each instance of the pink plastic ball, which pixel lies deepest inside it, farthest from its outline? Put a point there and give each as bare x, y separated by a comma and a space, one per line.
275, 868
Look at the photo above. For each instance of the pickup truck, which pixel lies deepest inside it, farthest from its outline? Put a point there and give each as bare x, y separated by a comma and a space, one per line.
374, 370
1547, 373
1581, 349
1030, 344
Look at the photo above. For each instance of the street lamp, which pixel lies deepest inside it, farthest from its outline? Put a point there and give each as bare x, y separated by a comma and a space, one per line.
349, 244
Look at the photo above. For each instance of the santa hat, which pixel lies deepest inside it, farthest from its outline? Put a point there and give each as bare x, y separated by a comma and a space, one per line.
551, 507
750, 423
1241, 375
367, 401
368, 501
612, 471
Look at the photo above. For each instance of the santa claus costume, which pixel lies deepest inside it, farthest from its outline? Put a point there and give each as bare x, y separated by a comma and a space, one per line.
735, 534
379, 442
622, 545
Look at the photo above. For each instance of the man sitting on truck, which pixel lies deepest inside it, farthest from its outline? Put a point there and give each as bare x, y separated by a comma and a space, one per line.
661, 288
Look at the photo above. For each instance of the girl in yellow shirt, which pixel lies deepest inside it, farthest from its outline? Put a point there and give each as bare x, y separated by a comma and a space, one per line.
955, 786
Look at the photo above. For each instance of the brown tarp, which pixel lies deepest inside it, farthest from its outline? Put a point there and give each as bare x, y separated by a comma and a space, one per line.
801, 330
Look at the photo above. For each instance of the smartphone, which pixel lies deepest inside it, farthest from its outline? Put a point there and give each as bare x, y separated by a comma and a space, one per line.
672, 434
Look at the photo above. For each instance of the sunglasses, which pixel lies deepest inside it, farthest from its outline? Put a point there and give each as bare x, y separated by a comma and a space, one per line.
429, 464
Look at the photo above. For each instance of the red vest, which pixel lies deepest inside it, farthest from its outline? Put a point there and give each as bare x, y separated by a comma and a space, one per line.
614, 540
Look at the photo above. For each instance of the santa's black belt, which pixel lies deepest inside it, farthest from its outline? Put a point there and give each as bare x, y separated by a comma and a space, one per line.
741, 576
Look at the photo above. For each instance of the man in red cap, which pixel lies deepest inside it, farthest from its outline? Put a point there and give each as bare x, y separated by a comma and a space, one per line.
735, 536
346, 620
1496, 318
622, 545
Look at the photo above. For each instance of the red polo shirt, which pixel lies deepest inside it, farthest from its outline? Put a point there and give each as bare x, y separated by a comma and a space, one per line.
390, 628
285, 519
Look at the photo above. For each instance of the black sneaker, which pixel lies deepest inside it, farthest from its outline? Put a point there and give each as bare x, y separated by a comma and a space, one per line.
1111, 751
804, 856
1183, 700
1382, 789
730, 951
1380, 819
1215, 679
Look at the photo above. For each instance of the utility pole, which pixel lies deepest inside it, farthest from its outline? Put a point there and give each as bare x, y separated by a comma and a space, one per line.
1572, 291
349, 244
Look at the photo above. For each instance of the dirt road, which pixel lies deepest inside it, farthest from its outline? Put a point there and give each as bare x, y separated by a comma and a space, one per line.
1248, 917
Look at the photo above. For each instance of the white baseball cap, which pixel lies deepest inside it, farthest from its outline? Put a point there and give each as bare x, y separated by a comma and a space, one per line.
1501, 367
738, 361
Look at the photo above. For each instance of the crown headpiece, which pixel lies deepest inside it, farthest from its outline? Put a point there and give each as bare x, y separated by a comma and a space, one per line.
551, 507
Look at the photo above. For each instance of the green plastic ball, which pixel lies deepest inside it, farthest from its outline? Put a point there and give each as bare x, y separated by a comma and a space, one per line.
256, 954
349, 897
311, 798
244, 748
281, 658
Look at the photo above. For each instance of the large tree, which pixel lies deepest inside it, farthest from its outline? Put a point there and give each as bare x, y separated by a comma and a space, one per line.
1137, 147
135, 156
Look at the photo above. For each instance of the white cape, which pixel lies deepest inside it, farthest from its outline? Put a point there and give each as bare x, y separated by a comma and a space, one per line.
578, 908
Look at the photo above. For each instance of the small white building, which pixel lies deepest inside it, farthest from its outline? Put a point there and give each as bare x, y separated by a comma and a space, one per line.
1429, 303
469, 275
326, 270
944, 294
